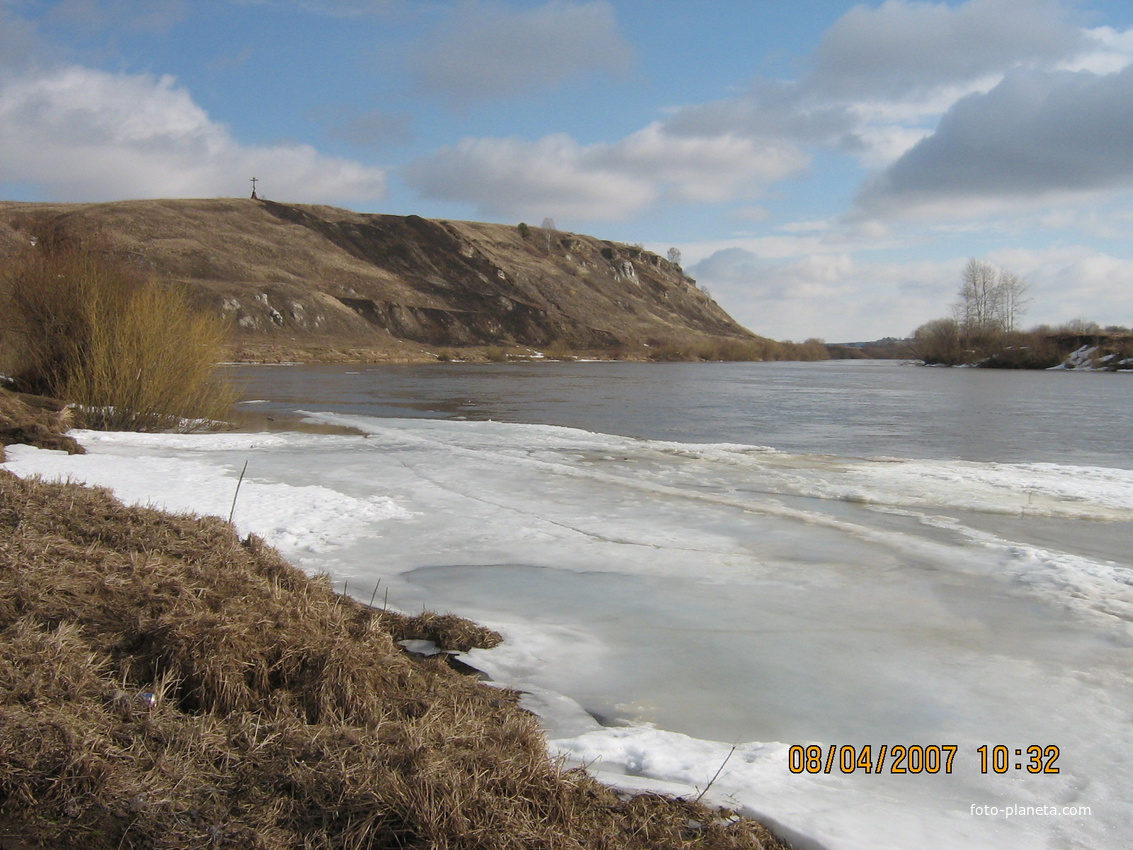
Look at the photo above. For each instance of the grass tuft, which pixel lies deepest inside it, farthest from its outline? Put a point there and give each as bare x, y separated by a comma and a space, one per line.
36, 421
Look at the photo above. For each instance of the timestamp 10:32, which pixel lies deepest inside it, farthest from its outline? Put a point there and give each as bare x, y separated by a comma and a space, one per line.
917, 758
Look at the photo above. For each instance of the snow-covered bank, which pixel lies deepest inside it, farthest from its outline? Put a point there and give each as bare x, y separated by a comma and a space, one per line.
1088, 358
692, 597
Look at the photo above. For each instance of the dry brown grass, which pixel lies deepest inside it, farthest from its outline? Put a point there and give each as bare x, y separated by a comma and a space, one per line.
284, 715
35, 420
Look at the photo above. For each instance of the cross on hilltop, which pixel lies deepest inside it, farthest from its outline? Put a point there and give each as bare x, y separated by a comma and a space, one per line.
253, 181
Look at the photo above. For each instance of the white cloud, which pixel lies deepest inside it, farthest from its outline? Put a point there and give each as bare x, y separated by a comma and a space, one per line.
750, 213
332, 8
835, 296
486, 50
903, 49
1110, 51
879, 82
1034, 136
607, 181
1093, 221
793, 240
881, 76
703, 168
1072, 282
514, 178
84, 134
817, 226
19, 45
768, 110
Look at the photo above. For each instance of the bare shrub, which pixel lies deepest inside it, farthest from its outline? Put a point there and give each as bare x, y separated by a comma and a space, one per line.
810, 349
938, 342
151, 366
46, 322
85, 326
559, 349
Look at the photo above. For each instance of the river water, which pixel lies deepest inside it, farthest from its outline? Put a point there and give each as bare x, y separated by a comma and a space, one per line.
702, 565
849, 407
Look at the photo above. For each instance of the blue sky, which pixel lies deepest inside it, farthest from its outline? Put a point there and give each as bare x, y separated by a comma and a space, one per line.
826, 168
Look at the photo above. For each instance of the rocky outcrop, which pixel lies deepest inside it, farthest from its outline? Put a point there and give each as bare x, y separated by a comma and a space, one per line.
316, 274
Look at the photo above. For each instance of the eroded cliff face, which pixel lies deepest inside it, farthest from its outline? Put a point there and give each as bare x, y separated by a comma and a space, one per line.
316, 275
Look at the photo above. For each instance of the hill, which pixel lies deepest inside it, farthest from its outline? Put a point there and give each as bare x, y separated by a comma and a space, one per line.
323, 281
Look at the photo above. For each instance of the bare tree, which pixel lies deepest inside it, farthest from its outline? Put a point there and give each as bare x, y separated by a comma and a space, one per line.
675, 256
1012, 298
977, 309
990, 300
549, 230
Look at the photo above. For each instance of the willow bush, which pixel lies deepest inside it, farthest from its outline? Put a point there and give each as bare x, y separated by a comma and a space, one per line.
85, 326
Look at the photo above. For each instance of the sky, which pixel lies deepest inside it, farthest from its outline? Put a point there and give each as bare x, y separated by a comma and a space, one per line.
825, 168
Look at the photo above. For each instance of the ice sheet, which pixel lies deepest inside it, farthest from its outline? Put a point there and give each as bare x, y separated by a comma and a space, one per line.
664, 602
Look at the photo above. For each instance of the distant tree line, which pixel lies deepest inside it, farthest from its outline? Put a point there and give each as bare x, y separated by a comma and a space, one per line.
983, 328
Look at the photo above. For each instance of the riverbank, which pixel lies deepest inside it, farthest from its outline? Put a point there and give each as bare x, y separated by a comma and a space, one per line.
942, 344
170, 684
402, 353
